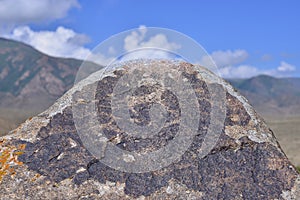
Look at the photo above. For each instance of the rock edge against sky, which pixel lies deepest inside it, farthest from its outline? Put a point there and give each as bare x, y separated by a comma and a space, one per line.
46, 158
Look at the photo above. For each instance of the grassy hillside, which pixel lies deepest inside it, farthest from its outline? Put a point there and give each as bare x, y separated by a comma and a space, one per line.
10, 118
287, 131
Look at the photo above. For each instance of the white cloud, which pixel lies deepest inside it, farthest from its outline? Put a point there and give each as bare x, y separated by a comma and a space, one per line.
21, 12
286, 67
225, 58
100, 58
160, 41
133, 40
137, 44
230, 65
242, 71
138, 40
62, 42
247, 71
112, 50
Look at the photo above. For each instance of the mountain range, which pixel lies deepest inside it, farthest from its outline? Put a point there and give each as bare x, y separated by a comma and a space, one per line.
271, 96
31, 78
30, 81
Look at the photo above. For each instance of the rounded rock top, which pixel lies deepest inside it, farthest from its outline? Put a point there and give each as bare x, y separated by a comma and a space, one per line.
147, 129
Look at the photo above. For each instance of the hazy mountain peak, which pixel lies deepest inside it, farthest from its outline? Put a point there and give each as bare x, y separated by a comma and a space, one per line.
27, 73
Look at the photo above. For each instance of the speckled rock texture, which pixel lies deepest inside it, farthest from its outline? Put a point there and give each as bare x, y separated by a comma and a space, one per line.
45, 158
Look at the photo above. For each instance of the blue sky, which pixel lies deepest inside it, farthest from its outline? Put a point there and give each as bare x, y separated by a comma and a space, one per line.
245, 38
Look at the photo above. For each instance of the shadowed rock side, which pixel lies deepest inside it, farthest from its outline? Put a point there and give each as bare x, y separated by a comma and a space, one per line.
52, 162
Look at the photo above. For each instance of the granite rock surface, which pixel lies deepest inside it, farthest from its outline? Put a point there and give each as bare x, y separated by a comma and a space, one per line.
47, 158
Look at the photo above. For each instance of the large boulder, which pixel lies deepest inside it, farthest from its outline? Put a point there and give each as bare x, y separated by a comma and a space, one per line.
96, 143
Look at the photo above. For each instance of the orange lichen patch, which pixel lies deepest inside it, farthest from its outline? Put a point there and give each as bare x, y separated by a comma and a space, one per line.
9, 158
36, 176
